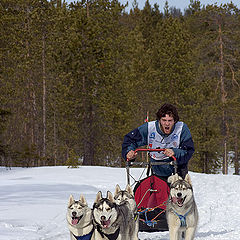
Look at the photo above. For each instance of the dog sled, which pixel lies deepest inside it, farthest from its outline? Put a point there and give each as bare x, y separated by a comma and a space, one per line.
151, 194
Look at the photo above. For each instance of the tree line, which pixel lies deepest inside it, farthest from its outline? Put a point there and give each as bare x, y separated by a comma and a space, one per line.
75, 78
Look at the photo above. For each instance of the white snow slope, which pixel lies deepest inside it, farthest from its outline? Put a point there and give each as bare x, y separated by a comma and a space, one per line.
33, 201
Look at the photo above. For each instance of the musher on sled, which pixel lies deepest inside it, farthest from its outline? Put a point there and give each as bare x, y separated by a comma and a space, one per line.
166, 132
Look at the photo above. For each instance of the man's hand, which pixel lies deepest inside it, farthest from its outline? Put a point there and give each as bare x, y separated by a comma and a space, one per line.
131, 155
169, 152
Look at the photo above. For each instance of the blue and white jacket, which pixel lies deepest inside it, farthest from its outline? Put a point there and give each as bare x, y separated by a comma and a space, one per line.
179, 140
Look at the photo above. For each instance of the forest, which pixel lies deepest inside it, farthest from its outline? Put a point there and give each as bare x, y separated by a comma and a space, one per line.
75, 78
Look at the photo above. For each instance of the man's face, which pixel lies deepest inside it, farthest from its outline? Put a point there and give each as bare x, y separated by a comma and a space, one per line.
166, 124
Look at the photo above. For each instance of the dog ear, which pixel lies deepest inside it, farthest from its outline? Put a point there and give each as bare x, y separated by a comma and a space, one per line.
82, 199
170, 179
117, 190
188, 179
110, 196
98, 197
129, 189
71, 200
173, 178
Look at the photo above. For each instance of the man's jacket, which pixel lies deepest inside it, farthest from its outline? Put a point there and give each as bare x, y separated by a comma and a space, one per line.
179, 140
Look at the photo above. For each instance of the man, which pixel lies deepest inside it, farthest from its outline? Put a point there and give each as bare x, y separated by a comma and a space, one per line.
166, 132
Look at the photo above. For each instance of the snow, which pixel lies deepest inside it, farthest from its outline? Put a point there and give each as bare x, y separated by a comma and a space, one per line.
33, 201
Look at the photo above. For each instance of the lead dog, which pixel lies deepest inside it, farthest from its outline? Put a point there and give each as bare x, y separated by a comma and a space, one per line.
79, 219
112, 221
182, 213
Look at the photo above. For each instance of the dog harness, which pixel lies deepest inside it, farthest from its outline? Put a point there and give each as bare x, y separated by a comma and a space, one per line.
182, 218
112, 236
84, 237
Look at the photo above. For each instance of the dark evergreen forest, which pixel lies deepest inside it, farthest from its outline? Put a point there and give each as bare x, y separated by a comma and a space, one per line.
75, 78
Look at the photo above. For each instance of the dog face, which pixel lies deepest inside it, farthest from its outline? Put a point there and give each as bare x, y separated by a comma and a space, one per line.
76, 210
104, 210
180, 190
122, 196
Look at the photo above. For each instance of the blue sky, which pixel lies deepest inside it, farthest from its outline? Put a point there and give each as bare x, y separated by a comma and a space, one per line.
182, 4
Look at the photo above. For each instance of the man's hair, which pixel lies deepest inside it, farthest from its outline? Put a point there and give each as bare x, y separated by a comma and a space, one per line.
169, 109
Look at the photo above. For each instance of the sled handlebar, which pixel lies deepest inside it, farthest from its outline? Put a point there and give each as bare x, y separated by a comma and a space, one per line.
129, 162
151, 150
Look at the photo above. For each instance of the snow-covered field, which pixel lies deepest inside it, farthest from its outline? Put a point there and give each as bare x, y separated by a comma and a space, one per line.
33, 201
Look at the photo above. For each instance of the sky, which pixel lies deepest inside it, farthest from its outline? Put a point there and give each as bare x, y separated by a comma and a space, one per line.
182, 4
33, 201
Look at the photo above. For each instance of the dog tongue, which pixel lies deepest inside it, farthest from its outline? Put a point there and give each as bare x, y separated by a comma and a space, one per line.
106, 223
74, 221
179, 200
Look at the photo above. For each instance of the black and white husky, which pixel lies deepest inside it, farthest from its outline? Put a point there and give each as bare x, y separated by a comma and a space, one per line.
79, 219
112, 221
127, 195
182, 213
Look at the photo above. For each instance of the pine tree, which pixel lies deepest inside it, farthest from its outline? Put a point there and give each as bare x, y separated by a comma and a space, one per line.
203, 113
172, 63
90, 52
216, 46
26, 25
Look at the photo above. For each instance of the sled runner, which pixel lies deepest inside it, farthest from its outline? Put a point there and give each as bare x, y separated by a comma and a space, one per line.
151, 195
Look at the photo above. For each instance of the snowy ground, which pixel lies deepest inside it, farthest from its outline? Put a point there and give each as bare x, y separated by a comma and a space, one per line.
33, 201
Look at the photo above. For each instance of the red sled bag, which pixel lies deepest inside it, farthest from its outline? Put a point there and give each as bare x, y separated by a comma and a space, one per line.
151, 196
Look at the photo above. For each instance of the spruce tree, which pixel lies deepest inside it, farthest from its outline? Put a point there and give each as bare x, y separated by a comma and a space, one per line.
216, 63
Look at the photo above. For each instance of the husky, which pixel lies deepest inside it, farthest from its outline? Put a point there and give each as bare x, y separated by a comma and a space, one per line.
181, 212
112, 221
127, 195
79, 219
